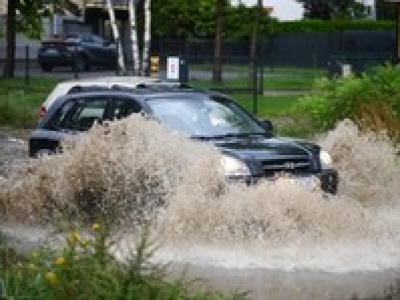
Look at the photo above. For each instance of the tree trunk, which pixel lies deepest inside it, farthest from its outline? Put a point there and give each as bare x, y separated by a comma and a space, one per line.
254, 43
147, 38
219, 22
134, 37
115, 31
9, 65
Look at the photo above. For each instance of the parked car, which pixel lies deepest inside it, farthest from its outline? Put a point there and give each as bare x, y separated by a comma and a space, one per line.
80, 51
70, 86
249, 149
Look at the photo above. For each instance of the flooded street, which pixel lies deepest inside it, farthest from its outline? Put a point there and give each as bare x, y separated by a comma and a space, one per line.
13, 147
276, 239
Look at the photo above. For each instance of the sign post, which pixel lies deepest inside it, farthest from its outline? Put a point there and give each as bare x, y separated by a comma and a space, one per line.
173, 68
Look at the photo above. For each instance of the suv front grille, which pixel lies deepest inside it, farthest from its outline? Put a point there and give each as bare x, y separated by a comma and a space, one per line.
293, 165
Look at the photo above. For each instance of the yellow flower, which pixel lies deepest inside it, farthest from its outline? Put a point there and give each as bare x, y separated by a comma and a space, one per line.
84, 244
74, 237
51, 278
59, 261
96, 227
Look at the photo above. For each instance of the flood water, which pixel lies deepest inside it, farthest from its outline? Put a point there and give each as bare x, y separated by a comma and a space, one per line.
276, 239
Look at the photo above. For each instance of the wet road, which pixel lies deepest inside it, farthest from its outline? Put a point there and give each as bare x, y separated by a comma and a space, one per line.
13, 147
261, 283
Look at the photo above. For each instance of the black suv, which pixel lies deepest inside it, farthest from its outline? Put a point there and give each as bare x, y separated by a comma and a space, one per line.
249, 149
80, 51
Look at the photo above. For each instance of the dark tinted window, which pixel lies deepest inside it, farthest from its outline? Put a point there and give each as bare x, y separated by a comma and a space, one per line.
80, 114
123, 107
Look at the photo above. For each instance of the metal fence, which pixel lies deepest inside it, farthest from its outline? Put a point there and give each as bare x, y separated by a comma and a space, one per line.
322, 52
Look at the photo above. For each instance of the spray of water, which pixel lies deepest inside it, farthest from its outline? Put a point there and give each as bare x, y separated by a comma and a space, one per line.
135, 170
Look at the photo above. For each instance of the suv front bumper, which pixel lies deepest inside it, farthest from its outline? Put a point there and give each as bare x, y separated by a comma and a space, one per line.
328, 180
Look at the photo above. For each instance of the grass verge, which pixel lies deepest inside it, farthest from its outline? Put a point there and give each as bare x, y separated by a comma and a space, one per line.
20, 102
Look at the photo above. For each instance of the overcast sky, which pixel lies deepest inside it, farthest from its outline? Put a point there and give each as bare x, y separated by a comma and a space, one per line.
283, 9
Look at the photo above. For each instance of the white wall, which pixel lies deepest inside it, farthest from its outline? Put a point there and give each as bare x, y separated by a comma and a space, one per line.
283, 10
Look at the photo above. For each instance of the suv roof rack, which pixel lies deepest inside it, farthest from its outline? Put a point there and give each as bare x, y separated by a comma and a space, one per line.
86, 88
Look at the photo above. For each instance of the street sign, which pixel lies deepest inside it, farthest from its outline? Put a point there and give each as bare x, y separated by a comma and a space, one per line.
173, 68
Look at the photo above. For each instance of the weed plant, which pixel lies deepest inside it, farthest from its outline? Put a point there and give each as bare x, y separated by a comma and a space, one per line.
85, 269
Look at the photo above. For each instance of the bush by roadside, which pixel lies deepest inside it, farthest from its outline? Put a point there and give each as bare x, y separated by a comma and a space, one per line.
371, 100
85, 269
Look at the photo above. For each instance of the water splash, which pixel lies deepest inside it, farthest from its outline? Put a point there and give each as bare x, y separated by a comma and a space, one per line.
135, 170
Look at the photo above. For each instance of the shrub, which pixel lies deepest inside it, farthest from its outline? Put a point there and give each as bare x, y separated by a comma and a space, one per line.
85, 269
371, 100
313, 25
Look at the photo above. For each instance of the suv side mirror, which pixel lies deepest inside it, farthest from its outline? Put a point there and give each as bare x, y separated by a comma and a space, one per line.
267, 125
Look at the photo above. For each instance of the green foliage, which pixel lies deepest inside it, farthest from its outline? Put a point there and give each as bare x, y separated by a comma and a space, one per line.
85, 269
30, 16
309, 25
332, 9
340, 98
181, 18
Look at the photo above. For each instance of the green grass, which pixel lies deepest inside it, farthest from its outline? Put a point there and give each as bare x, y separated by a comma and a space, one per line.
289, 82
279, 81
268, 106
20, 102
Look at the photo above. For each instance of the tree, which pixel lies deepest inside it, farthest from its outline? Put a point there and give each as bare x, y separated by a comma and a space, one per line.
146, 38
332, 9
116, 36
140, 20
254, 43
134, 34
26, 16
22, 16
219, 25
179, 18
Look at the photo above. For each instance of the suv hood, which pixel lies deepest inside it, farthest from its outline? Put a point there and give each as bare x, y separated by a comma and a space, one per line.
261, 148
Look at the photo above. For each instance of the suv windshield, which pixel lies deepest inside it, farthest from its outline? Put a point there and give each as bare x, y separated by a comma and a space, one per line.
204, 117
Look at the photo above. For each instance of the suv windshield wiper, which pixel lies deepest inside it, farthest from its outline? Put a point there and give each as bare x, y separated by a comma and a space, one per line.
231, 135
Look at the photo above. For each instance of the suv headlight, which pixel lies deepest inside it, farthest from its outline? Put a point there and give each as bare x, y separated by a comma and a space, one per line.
325, 160
234, 167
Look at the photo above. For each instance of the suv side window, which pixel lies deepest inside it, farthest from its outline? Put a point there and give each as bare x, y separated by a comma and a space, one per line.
80, 114
123, 107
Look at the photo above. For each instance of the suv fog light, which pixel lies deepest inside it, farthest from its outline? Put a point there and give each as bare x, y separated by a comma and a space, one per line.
234, 167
